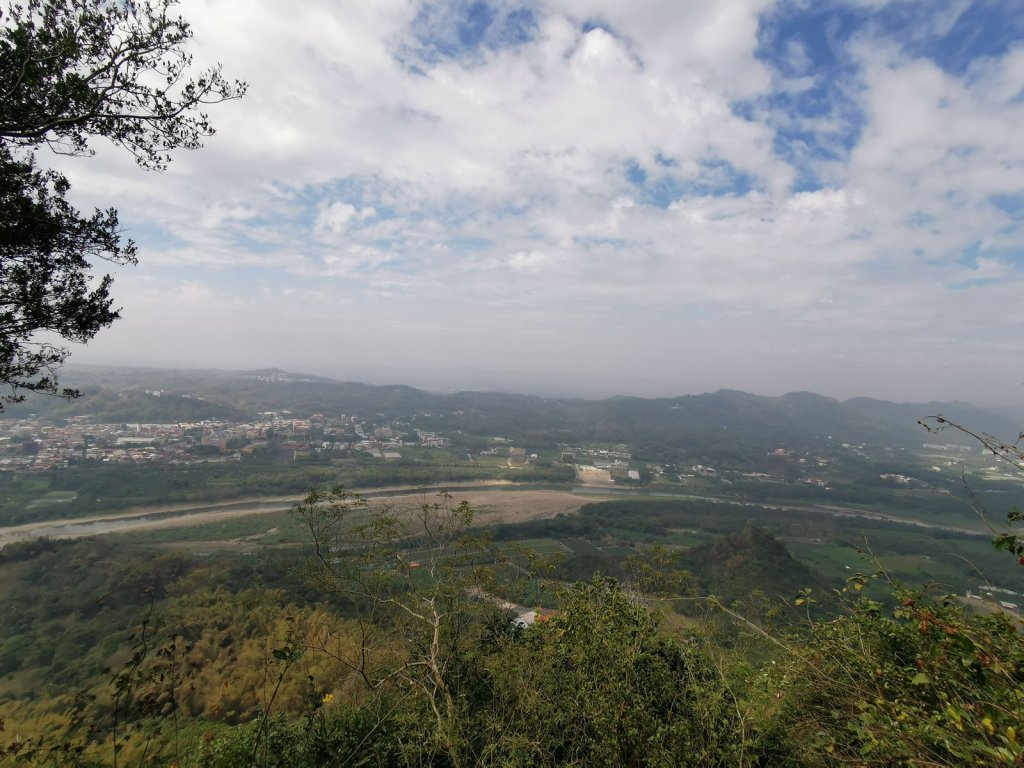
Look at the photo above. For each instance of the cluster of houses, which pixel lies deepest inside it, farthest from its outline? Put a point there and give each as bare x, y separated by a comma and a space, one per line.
616, 458
36, 444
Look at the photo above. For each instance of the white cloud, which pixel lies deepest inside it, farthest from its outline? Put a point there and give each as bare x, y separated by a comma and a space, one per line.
337, 216
527, 261
796, 56
495, 187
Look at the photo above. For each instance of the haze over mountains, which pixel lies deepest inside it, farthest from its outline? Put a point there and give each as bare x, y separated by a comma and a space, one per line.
714, 418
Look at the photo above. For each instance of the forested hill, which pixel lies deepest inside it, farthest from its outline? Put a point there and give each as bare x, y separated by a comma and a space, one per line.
721, 421
752, 559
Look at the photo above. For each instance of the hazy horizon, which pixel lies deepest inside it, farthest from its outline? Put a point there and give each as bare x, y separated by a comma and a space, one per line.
539, 384
647, 198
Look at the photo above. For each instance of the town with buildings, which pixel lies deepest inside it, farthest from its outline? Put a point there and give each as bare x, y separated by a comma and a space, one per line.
37, 444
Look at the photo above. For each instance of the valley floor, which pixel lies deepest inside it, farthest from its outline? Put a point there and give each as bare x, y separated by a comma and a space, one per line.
494, 502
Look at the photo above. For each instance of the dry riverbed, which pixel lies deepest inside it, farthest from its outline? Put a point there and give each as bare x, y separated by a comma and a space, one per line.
494, 503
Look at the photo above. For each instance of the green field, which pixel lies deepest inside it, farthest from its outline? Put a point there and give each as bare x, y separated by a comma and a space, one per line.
601, 535
539, 547
52, 497
269, 528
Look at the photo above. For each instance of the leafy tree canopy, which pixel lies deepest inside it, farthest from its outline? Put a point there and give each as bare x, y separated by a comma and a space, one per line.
71, 71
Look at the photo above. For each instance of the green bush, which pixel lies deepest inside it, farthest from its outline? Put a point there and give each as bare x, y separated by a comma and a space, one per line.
338, 737
596, 685
919, 682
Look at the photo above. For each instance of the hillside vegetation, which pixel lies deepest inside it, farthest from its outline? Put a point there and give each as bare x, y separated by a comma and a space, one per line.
386, 642
757, 587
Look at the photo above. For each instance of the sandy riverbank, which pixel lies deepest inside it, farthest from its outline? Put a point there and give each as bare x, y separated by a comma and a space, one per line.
496, 502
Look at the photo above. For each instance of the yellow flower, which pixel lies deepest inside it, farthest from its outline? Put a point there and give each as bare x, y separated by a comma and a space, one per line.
327, 699
987, 722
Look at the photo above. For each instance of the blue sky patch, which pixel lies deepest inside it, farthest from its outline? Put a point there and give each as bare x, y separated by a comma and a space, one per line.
717, 179
969, 256
819, 117
934, 29
1010, 204
635, 174
466, 29
798, 41
151, 235
976, 282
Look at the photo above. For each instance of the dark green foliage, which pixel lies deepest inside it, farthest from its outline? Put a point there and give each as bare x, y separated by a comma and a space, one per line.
885, 683
45, 252
750, 560
641, 521
71, 71
1010, 538
733, 565
907, 681
345, 737
70, 598
597, 686
635, 518
27, 550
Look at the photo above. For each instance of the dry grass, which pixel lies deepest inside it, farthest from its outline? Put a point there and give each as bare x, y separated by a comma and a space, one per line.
498, 503
512, 506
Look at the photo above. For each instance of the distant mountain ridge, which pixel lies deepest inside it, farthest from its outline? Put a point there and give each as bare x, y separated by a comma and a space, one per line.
725, 420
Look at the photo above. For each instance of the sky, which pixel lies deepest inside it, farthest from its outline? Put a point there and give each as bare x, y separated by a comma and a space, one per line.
592, 196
